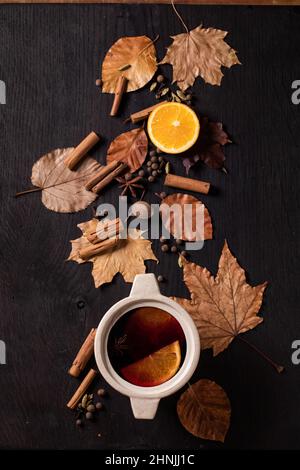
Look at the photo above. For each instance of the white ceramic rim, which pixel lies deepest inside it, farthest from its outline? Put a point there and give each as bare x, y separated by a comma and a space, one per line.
191, 356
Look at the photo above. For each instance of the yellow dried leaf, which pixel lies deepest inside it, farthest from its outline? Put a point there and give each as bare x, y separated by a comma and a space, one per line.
138, 52
126, 258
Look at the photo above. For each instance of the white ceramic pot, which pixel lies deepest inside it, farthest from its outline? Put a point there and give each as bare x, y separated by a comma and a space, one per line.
145, 293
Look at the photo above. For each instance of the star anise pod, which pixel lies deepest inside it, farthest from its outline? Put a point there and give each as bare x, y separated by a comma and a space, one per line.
130, 185
120, 345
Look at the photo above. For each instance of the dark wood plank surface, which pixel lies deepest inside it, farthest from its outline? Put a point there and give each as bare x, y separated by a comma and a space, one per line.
189, 2
49, 59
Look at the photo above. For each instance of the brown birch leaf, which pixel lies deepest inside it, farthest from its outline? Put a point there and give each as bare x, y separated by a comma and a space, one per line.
62, 189
134, 58
204, 410
200, 52
224, 306
183, 226
127, 257
130, 147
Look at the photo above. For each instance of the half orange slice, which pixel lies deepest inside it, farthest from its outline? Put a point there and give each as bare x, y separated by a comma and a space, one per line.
173, 127
156, 368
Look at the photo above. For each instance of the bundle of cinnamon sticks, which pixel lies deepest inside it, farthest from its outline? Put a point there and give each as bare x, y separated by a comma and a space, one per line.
105, 176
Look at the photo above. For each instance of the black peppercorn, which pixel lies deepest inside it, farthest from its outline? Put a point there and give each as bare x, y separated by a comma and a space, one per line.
174, 249
164, 248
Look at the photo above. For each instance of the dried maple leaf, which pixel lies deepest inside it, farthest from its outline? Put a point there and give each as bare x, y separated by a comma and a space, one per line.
209, 147
188, 232
126, 258
204, 410
134, 58
130, 147
199, 52
62, 189
224, 306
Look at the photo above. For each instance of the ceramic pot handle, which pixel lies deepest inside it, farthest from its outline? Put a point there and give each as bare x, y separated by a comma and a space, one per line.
144, 408
144, 285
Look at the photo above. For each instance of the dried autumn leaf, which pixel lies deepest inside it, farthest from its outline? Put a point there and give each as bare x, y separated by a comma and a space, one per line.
126, 258
189, 232
130, 147
204, 410
209, 147
62, 189
139, 53
224, 306
200, 52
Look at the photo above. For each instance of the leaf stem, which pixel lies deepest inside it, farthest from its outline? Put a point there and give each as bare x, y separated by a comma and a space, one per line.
148, 45
32, 190
179, 16
277, 367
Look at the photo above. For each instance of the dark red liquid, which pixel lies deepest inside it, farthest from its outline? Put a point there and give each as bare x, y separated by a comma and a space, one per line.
141, 332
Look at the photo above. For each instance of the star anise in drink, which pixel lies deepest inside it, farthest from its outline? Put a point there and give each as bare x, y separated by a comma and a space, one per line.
120, 345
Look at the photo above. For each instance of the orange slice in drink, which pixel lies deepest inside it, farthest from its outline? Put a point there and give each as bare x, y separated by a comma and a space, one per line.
173, 127
156, 368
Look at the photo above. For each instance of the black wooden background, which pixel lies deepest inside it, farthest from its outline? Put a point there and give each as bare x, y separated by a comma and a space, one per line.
49, 58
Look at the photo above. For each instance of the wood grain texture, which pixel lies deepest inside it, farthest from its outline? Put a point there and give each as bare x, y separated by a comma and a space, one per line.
180, 2
50, 58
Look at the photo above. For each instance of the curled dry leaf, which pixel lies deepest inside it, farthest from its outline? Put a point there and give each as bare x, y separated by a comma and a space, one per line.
134, 58
62, 189
209, 147
224, 306
204, 410
126, 258
130, 147
200, 52
181, 221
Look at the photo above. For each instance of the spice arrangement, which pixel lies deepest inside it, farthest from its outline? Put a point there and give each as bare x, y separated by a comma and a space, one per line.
222, 307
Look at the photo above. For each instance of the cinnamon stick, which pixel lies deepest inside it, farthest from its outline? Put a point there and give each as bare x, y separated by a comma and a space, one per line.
82, 389
106, 229
120, 89
84, 354
90, 251
81, 150
190, 184
109, 178
144, 113
104, 171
